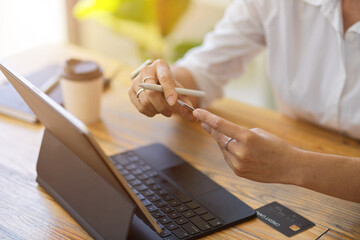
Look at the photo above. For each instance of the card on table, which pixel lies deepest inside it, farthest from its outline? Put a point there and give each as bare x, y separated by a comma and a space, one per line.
283, 219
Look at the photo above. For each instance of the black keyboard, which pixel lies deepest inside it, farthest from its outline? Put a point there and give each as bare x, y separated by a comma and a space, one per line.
178, 215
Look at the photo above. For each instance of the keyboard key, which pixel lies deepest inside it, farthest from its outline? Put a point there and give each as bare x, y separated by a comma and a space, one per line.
154, 187
149, 181
157, 214
174, 203
151, 208
154, 198
200, 223
181, 233
146, 202
129, 177
208, 216
135, 182
161, 192
190, 228
167, 209
137, 172
141, 197
167, 197
181, 220
131, 167
215, 222
116, 158
134, 190
160, 225
133, 158
141, 187
142, 177
165, 233
160, 203
200, 211
172, 226
165, 220
119, 167
174, 214
152, 173
145, 168
188, 214
147, 193
124, 172
192, 205
181, 208
123, 161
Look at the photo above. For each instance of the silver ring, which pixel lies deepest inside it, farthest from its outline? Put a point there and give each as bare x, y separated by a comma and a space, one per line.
227, 142
146, 78
138, 92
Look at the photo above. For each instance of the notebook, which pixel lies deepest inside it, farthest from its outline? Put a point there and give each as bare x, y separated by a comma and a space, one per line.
11, 103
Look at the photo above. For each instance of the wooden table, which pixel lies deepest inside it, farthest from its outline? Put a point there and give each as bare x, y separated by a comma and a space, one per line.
28, 212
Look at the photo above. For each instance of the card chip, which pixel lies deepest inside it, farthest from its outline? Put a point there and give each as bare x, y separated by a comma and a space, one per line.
294, 228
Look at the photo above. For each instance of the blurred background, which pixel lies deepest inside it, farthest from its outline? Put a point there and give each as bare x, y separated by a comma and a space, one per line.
127, 30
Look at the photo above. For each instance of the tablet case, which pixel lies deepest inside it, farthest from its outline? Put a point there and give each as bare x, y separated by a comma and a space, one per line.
103, 211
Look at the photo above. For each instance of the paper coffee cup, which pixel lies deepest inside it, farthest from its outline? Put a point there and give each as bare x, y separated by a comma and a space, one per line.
82, 85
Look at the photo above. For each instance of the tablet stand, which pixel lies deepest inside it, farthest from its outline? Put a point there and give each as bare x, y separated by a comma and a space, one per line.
103, 211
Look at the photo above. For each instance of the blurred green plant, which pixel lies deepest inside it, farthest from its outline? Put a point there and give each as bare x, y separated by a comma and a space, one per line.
147, 22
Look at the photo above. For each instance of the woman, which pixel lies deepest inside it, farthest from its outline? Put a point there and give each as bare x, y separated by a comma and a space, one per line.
314, 67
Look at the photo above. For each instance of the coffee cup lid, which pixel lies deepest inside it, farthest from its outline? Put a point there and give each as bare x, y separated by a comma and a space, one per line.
79, 70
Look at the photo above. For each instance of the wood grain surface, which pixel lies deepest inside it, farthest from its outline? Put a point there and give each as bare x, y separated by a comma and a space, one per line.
28, 212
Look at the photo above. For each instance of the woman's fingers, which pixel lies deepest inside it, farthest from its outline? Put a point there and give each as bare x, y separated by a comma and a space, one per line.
143, 107
151, 102
226, 127
151, 98
225, 143
230, 149
138, 97
256, 154
167, 81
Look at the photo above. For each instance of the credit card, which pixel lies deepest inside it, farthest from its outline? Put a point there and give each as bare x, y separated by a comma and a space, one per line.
283, 219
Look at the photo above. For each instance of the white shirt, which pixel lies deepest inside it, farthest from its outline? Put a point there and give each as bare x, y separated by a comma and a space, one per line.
314, 68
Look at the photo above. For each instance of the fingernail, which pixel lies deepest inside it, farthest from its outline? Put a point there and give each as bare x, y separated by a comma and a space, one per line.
171, 100
205, 127
196, 113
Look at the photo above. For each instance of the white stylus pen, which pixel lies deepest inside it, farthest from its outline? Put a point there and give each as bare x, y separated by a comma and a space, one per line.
181, 91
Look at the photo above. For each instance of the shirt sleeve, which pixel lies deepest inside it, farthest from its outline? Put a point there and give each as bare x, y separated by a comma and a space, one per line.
225, 51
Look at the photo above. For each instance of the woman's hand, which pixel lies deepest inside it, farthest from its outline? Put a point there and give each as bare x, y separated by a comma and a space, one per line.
150, 102
253, 153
